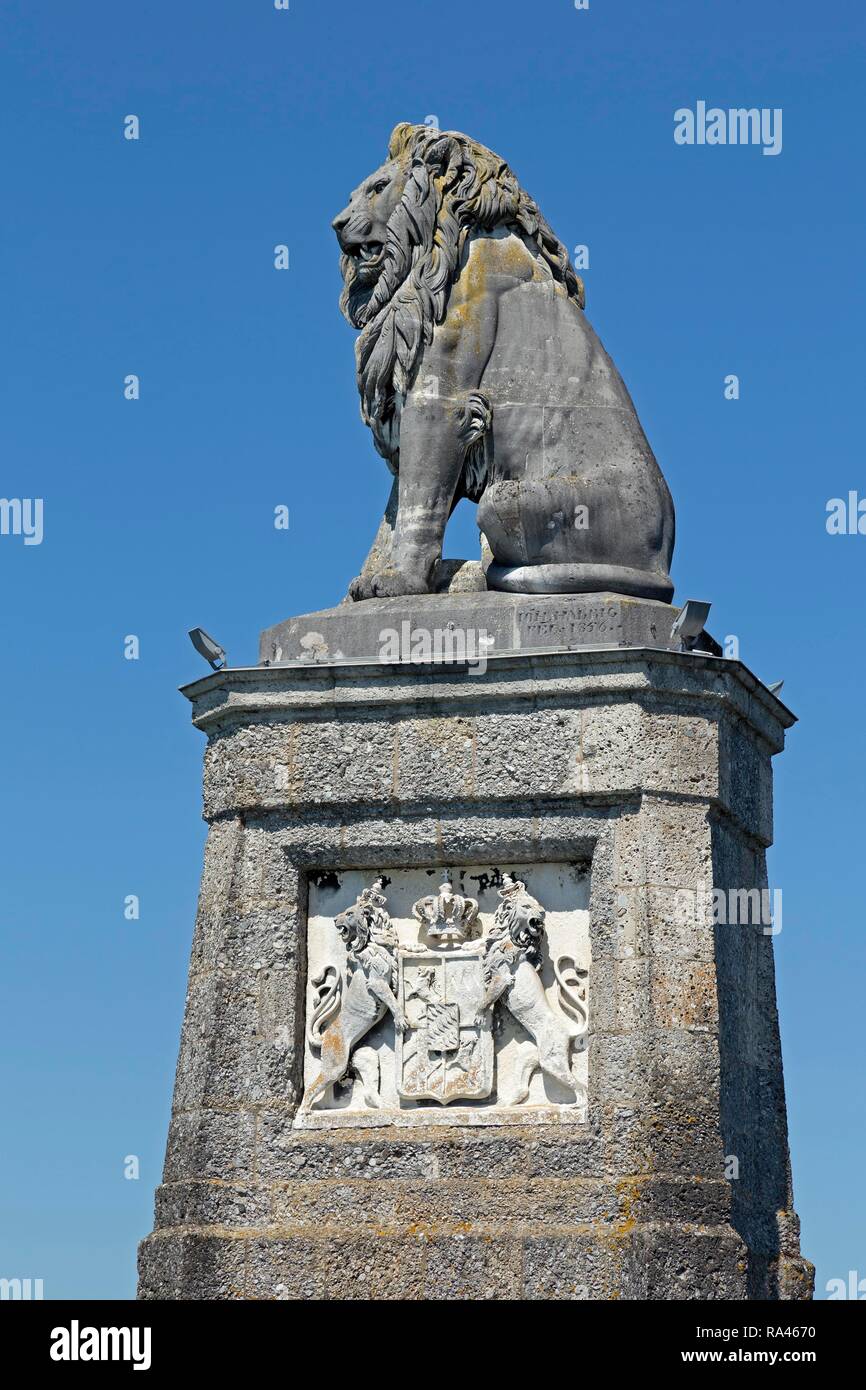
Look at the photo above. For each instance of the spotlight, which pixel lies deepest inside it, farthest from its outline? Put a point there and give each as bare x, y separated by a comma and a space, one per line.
208, 648
690, 623
775, 687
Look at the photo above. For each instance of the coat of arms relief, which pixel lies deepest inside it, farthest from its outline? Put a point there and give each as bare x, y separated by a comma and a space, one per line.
435, 1010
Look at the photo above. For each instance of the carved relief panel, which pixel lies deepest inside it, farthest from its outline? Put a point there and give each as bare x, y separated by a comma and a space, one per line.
447, 997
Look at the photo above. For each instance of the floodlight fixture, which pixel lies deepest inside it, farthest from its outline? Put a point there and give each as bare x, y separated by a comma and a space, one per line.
208, 648
690, 623
775, 687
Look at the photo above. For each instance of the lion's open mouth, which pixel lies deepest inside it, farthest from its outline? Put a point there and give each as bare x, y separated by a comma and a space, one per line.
367, 255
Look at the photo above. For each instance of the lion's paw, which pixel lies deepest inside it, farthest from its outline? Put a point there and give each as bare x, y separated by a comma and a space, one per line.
387, 583
359, 589
392, 583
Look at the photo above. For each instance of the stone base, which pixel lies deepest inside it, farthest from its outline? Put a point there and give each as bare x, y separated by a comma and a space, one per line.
648, 768
505, 622
505, 1216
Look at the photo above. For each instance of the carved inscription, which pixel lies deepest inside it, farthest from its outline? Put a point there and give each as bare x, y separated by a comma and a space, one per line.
586, 625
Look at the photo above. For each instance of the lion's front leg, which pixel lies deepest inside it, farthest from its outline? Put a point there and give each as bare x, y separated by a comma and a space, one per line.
497, 985
381, 550
431, 462
383, 992
443, 418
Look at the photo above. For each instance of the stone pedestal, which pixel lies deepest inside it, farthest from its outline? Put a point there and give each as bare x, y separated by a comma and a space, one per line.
637, 779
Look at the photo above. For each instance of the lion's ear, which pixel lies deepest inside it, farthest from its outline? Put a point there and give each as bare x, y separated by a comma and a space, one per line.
438, 150
439, 154
402, 136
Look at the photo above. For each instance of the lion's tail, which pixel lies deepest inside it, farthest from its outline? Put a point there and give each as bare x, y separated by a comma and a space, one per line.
571, 987
327, 993
475, 441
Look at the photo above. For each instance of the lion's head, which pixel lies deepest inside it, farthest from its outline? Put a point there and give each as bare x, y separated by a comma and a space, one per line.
366, 919
354, 928
521, 916
402, 236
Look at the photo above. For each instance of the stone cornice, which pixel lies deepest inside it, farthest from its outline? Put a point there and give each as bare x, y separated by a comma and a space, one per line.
312, 690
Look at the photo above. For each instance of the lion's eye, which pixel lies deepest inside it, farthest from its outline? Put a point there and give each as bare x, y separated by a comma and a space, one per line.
380, 186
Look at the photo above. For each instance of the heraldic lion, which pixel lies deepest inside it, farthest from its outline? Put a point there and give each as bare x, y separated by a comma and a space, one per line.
480, 377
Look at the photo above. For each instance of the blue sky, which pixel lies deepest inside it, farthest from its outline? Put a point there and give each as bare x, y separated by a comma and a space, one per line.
155, 257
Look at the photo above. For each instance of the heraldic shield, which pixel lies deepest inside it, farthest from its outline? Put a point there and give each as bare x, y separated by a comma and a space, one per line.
446, 1053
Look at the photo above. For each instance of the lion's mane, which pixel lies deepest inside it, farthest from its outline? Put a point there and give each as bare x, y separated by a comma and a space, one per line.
512, 920
454, 186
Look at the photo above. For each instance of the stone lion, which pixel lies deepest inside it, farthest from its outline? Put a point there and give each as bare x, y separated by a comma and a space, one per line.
512, 965
480, 377
370, 939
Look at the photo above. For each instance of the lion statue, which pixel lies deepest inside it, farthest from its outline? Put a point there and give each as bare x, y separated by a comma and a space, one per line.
480, 377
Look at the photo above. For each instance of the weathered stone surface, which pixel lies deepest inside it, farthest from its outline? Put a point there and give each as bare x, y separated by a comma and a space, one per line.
476, 623
611, 724
613, 761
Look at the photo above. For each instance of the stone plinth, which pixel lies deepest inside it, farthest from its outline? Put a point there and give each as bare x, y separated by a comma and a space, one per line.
490, 622
643, 777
